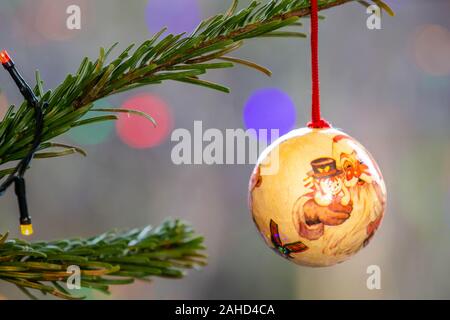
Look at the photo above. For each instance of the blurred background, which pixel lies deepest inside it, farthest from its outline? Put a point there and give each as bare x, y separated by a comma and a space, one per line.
388, 88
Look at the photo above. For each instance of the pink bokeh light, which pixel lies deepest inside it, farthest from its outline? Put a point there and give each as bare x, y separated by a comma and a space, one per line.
138, 132
431, 49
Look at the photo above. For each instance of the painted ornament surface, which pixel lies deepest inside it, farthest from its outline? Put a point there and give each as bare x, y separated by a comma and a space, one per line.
317, 196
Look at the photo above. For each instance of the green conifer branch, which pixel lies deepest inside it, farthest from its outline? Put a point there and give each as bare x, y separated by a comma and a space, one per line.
113, 258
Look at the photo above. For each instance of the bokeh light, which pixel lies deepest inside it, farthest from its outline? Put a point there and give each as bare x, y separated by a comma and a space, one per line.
51, 19
177, 15
431, 49
137, 131
270, 109
95, 133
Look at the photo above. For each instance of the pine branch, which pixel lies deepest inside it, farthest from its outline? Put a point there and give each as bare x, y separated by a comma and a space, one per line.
113, 258
172, 57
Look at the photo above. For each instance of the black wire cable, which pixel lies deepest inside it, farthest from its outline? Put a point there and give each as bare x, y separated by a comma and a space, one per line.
17, 176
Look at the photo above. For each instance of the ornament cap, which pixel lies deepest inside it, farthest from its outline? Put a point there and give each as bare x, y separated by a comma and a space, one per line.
321, 124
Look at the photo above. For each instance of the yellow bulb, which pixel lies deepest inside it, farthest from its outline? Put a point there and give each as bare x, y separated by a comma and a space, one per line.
26, 229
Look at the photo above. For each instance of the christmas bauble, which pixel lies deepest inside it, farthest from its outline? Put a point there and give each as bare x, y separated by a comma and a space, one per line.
317, 196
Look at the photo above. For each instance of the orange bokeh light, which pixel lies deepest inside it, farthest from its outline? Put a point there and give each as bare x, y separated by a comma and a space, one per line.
431, 49
51, 17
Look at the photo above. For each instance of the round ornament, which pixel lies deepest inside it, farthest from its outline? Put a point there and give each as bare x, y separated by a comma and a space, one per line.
317, 196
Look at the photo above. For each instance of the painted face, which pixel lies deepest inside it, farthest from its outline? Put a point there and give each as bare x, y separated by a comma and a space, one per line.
331, 185
355, 171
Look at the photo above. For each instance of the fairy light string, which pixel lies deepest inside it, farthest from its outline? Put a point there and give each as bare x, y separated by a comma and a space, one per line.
17, 176
316, 119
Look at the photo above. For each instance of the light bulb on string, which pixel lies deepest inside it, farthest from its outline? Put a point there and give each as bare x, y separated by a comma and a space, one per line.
16, 177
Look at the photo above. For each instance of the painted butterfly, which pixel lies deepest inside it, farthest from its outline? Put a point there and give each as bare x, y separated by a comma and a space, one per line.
284, 250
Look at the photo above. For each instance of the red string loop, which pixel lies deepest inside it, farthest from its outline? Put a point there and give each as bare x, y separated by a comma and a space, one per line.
317, 122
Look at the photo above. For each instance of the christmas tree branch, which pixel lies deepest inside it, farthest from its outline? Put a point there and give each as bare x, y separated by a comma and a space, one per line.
113, 258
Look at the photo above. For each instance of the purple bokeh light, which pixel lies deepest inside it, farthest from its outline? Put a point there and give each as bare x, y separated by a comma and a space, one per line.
177, 15
270, 109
